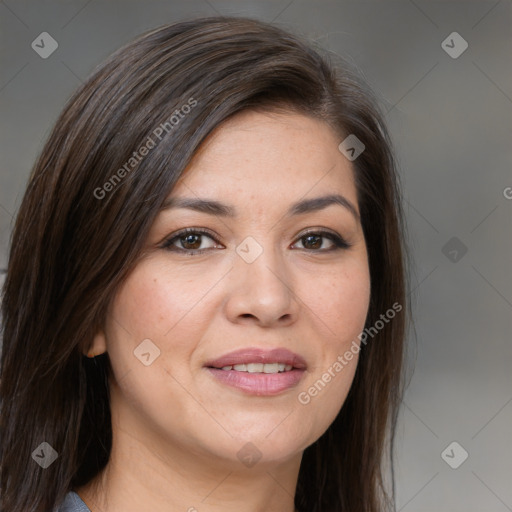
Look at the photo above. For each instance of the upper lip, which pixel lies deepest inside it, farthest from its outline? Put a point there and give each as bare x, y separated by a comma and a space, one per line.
258, 355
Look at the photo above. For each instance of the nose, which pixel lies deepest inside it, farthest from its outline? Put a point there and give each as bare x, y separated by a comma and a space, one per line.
262, 292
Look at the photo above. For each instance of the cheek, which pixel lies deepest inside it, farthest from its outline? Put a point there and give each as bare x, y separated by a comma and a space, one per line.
155, 304
339, 310
155, 301
339, 303
166, 306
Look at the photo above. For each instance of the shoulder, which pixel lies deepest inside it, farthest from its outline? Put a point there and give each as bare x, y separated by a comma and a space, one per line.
72, 503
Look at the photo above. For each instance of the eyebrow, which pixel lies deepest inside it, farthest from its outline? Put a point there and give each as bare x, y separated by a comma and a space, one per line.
213, 207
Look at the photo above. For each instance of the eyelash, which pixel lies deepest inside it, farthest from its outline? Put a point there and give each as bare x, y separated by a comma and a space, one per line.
338, 241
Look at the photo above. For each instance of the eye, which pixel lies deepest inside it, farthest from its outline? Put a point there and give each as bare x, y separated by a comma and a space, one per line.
189, 241
314, 241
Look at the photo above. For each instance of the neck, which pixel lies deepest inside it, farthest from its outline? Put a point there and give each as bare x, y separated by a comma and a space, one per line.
139, 476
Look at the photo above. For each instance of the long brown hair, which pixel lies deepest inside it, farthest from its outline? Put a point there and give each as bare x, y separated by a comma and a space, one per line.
83, 221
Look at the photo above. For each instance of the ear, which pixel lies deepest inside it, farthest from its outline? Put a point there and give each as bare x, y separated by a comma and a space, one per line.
98, 345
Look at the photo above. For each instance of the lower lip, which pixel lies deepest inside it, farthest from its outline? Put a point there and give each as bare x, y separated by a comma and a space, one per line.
260, 384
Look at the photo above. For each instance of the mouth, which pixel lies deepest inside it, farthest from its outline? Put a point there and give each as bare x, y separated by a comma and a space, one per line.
258, 367
258, 372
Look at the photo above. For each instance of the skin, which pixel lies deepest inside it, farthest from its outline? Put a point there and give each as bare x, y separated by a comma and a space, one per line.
176, 429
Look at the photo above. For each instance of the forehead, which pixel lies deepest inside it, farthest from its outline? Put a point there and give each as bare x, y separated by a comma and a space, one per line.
270, 157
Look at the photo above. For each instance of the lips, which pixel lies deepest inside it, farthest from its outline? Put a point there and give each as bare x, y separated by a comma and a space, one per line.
256, 355
241, 370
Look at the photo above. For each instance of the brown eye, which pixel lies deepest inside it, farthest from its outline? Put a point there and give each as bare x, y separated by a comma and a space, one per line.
189, 241
313, 241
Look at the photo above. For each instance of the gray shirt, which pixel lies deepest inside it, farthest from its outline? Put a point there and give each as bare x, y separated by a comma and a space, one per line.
72, 503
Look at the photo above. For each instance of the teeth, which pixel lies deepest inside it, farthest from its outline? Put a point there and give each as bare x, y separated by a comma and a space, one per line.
255, 367
271, 368
260, 367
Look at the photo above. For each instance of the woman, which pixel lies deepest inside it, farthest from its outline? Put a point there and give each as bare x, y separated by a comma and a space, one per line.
204, 303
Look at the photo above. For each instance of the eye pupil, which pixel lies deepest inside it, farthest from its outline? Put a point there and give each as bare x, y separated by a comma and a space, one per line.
189, 239
313, 245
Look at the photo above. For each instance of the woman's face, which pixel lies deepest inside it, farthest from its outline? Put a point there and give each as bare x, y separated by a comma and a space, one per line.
257, 282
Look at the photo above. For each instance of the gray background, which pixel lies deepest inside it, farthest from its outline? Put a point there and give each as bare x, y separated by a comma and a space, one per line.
451, 120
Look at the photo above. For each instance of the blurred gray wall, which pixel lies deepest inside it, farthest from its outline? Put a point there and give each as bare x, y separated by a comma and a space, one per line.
449, 109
